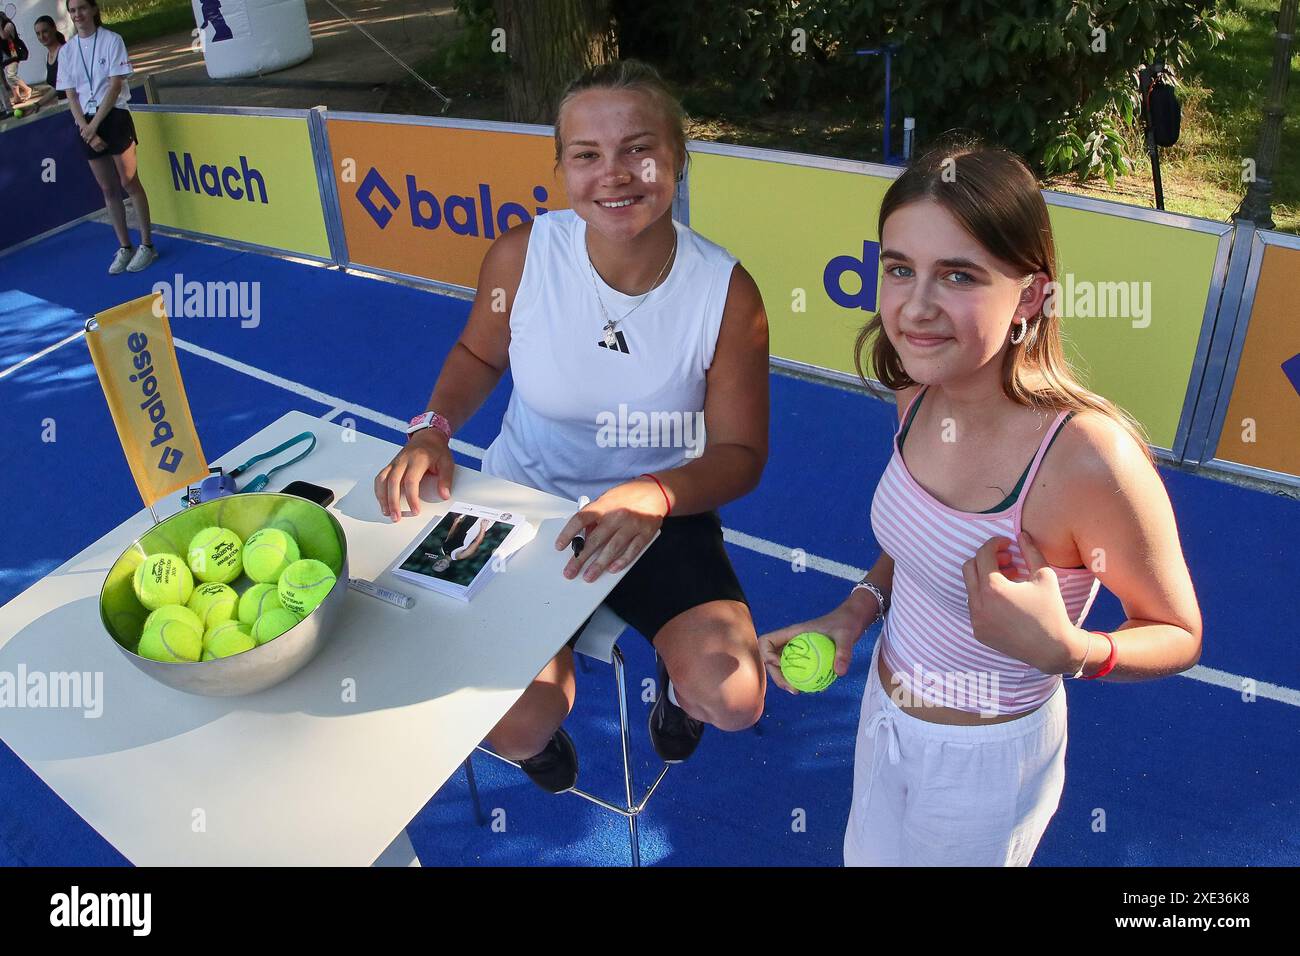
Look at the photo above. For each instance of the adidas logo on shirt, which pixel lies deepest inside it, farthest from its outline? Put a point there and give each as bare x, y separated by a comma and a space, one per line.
622, 343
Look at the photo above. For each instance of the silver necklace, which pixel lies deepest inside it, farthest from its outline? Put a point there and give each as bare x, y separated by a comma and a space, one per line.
611, 324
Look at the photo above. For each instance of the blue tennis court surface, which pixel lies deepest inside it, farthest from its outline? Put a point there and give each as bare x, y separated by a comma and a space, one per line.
1175, 772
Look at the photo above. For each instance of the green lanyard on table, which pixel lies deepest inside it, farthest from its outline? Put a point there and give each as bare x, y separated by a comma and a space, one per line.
261, 481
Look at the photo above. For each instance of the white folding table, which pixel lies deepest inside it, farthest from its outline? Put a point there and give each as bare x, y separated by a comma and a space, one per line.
328, 767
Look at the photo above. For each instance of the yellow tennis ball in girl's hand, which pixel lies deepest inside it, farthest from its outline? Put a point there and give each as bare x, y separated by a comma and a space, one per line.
162, 579
267, 553
216, 554
304, 585
808, 662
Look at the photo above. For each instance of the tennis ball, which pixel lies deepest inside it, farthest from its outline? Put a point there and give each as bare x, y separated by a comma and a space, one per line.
272, 624
174, 612
18, 114
171, 641
256, 601
226, 640
214, 602
310, 526
808, 662
267, 553
304, 585
215, 555
162, 579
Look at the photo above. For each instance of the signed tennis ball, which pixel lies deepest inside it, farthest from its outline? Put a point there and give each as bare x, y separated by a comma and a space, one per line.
172, 641
272, 624
808, 662
304, 585
256, 601
267, 553
216, 554
213, 603
162, 579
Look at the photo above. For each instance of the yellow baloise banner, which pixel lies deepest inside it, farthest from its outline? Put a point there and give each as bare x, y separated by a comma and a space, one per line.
428, 201
249, 178
1262, 426
808, 236
132, 349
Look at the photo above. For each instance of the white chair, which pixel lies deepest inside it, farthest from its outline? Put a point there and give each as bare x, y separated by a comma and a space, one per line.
598, 639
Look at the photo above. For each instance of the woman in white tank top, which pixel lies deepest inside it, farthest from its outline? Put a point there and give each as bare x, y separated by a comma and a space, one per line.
630, 339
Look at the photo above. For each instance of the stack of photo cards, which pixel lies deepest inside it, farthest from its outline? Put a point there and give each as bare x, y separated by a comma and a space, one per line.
465, 549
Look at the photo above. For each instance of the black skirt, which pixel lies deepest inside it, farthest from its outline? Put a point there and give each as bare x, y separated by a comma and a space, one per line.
117, 129
685, 567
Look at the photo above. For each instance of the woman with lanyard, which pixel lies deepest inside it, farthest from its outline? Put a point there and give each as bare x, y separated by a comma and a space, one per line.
609, 307
49, 36
93, 67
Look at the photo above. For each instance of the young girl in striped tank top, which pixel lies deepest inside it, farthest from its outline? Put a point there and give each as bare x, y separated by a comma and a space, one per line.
991, 548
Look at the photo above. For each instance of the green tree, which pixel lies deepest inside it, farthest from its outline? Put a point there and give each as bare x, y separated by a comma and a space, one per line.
549, 42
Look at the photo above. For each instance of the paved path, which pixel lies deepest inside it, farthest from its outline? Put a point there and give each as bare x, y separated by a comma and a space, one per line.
345, 72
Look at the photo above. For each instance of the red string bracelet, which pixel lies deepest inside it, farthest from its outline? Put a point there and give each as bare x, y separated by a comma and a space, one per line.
661, 489
1109, 665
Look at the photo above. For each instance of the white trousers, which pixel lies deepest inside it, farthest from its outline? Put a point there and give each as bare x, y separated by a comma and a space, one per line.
927, 794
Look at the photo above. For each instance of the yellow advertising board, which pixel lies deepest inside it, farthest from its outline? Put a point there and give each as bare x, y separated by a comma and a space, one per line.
251, 178
428, 201
808, 236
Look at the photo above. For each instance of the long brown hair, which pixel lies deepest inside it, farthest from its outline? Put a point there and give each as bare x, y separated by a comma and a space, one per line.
641, 78
67, 5
993, 195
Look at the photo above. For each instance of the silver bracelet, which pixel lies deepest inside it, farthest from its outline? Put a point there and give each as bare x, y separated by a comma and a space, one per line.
1079, 672
874, 592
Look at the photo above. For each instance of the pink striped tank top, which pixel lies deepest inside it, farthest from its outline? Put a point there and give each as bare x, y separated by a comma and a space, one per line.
927, 641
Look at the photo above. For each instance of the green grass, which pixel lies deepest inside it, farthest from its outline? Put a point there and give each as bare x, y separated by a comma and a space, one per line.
1222, 96
140, 20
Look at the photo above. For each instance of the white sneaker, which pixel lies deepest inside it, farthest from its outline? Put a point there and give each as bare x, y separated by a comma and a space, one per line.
143, 259
120, 261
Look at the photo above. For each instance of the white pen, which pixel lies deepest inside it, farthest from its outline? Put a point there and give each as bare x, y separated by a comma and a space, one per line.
384, 594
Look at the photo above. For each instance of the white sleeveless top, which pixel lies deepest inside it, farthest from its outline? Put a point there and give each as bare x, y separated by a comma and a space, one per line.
584, 417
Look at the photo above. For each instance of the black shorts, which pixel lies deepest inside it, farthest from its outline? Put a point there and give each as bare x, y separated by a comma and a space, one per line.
117, 129
685, 567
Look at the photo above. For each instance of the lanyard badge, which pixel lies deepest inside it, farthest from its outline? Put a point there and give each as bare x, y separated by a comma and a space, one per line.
89, 70
221, 483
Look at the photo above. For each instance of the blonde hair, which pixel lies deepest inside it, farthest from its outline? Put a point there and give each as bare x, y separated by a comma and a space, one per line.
638, 77
996, 199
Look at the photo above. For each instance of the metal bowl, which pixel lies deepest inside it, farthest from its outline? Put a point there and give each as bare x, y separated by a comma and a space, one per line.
319, 536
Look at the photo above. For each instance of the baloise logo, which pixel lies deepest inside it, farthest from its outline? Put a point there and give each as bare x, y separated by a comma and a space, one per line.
463, 215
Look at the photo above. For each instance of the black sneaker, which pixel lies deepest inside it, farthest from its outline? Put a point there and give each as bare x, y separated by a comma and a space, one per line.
674, 733
555, 769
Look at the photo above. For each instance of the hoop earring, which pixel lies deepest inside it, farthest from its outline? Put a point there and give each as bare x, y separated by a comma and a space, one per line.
1024, 330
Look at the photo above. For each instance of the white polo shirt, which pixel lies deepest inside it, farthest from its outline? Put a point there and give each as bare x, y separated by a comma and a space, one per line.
86, 64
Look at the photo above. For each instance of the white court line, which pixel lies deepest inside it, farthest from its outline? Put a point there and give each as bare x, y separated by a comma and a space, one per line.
46, 351
320, 398
847, 572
